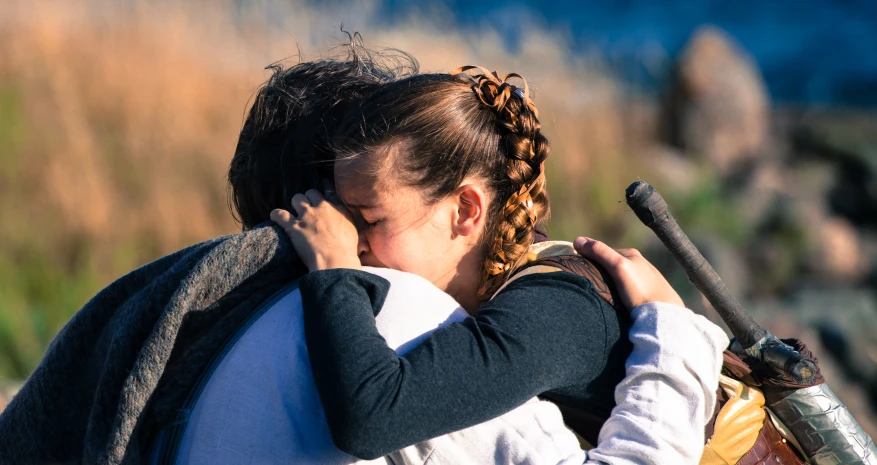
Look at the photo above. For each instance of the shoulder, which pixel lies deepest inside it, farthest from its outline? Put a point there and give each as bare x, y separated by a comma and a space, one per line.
414, 307
401, 277
552, 296
550, 289
557, 299
408, 285
560, 316
577, 265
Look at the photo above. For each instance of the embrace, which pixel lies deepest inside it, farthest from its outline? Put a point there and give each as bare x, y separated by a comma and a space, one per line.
392, 299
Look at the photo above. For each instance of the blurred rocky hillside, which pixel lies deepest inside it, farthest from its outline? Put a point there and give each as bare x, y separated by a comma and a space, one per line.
783, 202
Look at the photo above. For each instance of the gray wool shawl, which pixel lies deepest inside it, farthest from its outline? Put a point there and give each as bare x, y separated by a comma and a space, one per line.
124, 364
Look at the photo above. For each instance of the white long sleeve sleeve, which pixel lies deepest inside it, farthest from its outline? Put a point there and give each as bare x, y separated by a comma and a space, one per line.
668, 393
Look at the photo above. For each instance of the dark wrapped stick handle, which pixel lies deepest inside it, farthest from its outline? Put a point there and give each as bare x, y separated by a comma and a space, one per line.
651, 209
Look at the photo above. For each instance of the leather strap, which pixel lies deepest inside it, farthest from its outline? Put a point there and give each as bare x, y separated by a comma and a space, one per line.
771, 449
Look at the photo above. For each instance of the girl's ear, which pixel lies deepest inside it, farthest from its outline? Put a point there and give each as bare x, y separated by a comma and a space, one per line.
471, 202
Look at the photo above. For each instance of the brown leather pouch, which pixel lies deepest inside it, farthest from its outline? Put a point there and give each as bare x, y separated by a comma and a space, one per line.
741, 431
771, 448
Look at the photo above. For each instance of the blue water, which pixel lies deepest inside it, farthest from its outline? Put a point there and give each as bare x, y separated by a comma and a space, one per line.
808, 51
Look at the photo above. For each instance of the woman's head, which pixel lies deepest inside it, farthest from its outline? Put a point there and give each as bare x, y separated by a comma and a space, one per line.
440, 147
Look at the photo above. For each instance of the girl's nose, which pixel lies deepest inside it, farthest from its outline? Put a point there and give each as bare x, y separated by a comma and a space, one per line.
362, 246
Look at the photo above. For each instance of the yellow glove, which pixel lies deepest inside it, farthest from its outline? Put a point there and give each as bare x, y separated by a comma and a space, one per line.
737, 424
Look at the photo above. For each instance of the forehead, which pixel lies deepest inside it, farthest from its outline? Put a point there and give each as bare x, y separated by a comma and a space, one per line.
355, 181
363, 187
368, 173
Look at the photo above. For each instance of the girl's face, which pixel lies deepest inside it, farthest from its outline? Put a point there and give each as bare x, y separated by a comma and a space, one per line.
398, 230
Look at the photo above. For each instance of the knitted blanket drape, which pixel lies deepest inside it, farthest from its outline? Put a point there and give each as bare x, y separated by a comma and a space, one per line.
117, 372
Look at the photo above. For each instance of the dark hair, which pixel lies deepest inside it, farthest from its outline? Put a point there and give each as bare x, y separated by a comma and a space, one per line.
283, 145
440, 129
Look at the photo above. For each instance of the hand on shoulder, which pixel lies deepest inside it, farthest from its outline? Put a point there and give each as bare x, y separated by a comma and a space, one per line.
637, 280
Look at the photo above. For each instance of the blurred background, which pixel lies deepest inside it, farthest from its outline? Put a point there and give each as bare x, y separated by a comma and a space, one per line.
756, 120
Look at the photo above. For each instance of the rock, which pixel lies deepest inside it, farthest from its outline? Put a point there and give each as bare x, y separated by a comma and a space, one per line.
850, 312
839, 256
758, 191
717, 105
672, 167
797, 239
847, 140
869, 254
777, 247
833, 252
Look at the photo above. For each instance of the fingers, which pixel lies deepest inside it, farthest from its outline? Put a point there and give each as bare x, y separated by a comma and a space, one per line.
314, 197
602, 253
599, 252
637, 280
630, 254
282, 218
299, 203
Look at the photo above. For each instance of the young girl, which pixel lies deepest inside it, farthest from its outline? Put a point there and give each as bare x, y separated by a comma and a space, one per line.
443, 177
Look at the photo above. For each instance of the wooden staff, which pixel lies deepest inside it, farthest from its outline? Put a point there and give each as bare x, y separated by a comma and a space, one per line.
651, 209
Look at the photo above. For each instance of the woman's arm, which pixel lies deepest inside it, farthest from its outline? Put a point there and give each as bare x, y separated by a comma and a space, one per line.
542, 332
669, 392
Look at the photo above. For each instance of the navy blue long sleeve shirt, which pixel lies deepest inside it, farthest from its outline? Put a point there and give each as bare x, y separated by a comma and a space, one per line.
546, 334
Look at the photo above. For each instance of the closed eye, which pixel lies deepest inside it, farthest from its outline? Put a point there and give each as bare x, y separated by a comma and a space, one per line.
362, 224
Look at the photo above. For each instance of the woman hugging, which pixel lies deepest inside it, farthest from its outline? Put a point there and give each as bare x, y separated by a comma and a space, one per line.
442, 176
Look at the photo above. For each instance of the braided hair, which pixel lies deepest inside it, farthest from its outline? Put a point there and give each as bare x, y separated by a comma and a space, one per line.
444, 128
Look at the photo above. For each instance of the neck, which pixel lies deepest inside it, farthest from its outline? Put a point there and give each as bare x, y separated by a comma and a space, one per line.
463, 283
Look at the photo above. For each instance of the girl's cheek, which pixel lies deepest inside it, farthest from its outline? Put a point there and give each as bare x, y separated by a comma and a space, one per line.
377, 243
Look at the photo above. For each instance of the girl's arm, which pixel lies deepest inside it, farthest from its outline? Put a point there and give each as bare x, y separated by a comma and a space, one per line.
543, 332
663, 403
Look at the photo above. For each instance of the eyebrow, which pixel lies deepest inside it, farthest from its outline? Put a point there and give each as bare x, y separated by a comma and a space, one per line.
358, 206
355, 202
